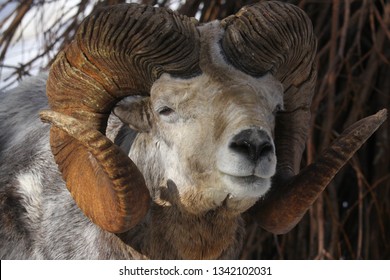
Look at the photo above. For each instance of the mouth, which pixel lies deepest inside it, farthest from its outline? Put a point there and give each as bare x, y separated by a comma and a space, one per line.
245, 189
249, 181
246, 180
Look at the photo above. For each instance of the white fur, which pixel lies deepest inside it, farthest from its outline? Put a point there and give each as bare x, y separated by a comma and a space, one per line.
181, 152
30, 187
186, 138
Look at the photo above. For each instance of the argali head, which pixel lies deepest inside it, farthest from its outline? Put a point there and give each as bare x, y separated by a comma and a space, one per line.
208, 95
204, 143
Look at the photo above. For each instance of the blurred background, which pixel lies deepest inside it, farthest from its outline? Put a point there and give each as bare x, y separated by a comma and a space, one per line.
351, 220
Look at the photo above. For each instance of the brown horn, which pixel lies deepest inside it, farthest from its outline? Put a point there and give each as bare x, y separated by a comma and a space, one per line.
278, 38
117, 52
285, 205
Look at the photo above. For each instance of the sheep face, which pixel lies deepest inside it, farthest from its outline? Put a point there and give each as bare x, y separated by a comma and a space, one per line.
204, 144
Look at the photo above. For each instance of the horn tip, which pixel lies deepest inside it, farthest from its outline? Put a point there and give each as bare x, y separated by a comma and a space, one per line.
46, 115
381, 115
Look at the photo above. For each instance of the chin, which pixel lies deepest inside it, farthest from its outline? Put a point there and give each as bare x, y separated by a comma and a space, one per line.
233, 193
241, 193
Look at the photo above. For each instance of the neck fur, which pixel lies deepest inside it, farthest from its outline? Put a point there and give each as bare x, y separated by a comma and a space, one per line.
169, 233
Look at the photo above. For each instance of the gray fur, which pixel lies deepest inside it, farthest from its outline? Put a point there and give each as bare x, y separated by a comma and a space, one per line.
43, 223
40, 220
196, 208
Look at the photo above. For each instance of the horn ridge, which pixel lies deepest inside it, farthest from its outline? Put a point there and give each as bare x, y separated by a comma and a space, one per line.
278, 38
282, 42
117, 52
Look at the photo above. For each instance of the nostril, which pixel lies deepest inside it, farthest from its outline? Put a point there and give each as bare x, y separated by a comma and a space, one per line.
252, 143
242, 147
265, 150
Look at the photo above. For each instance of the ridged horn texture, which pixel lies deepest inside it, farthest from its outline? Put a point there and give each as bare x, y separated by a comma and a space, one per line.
274, 37
118, 51
278, 38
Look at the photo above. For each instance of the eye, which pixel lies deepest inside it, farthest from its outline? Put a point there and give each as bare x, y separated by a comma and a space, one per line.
166, 114
165, 111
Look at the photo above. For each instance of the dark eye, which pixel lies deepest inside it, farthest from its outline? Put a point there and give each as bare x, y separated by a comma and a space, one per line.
165, 111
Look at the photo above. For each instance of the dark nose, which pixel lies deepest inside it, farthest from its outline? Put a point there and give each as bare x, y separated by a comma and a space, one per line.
254, 144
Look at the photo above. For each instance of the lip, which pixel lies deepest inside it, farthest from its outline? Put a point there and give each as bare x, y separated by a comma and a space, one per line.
244, 187
244, 180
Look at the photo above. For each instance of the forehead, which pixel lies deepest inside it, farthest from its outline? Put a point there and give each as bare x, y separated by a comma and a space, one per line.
204, 88
176, 88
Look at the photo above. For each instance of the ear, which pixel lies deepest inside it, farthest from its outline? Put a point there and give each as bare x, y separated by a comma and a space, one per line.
134, 111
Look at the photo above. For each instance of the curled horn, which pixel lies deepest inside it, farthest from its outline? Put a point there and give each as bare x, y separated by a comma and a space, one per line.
117, 52
278, 38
